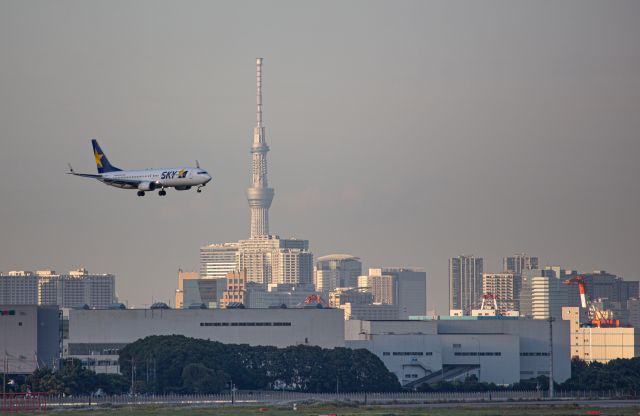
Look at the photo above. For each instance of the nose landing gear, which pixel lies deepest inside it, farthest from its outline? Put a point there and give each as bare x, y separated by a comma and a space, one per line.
199, 190
162, 192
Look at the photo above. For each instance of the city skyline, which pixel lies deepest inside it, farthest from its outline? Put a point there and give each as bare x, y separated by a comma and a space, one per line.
365, 131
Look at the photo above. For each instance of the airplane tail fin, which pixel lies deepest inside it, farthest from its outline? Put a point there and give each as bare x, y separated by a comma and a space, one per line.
102, 163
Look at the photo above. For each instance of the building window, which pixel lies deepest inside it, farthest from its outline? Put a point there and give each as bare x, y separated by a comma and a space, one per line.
386, 353
457, 345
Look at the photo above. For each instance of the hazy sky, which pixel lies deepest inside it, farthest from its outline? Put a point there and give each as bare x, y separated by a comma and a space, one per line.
402, 132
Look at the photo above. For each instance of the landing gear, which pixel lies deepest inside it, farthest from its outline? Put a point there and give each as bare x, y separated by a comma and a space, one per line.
140, 193
162, 192
199, 190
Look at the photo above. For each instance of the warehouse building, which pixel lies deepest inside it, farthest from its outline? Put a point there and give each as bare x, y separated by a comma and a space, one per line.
29, 337
494, 349
96, 336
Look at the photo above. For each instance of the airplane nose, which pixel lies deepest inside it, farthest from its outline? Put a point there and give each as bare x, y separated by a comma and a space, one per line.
207, 178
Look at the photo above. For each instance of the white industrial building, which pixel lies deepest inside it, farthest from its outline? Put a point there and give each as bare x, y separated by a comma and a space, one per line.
495, 349
29, 337
96, 336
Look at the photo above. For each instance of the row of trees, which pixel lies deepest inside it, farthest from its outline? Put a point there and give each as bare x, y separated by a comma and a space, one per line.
73, 379
178, 364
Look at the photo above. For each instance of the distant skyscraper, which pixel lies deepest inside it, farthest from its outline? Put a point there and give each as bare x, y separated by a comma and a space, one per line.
259, 194
465, 283
633, 307
271, 259
384, 288
409, 287
336, 270
543, 294
79, 287
519, 262
19, 288
216, 260
602, 285
506, 288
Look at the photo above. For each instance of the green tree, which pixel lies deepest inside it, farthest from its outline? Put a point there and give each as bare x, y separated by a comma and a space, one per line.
196, 378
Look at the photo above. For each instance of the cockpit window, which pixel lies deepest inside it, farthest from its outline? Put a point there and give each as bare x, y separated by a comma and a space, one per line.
202, 172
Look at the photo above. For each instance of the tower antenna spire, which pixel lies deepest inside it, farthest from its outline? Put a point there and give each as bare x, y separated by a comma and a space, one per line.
259, 91
259, 194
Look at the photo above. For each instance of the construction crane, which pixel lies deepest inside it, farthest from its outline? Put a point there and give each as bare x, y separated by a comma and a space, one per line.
489, 302
597, 317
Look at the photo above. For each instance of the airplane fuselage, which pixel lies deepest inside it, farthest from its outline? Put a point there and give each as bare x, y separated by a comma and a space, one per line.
181, 178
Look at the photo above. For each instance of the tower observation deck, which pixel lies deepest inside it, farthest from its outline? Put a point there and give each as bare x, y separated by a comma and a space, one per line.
259, 194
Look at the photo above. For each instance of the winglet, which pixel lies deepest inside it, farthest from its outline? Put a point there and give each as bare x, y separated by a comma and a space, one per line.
197, 164
70, 168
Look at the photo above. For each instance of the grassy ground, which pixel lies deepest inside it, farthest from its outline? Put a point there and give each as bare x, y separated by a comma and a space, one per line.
455, 410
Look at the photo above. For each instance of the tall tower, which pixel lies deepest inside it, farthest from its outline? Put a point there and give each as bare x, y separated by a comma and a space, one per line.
259, 194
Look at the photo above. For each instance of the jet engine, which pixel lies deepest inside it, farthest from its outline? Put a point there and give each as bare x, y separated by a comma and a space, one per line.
147, 186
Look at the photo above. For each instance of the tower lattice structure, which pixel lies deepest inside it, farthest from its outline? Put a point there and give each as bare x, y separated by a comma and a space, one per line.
259, 194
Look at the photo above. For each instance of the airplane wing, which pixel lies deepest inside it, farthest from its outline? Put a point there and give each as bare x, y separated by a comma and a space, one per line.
118, 181
85, 175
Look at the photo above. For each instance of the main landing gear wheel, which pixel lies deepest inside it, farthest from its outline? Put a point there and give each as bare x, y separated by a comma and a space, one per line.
199, 190
140, 193
162, 192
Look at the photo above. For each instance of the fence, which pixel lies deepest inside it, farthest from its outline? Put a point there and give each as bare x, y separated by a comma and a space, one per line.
286, 397
23, 402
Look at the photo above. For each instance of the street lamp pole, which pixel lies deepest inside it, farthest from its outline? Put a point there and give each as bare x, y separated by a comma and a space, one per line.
551, 319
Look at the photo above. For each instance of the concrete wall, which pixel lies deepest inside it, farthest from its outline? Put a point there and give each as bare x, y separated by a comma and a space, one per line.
409, 357
534, 342
321, 327
29, 335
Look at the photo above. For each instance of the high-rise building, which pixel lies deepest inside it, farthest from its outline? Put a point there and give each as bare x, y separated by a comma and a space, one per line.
336, 270
602, 285
192, 290
19, 288
519, 262
633, 309
78, 287
465, 283
505, 287
384, 289
46, 287
216, 260
408, 289
543, 294
271, 259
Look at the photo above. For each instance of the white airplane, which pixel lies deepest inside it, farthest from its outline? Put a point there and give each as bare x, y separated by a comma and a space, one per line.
181, 178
